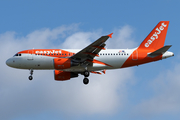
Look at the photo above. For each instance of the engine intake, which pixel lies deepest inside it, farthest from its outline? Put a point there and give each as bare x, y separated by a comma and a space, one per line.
62, 75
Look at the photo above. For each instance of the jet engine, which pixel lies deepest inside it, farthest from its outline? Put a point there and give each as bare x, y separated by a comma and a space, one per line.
64, 63
62, 75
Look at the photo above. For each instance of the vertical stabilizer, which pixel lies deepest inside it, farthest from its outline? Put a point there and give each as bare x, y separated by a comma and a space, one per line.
155, 40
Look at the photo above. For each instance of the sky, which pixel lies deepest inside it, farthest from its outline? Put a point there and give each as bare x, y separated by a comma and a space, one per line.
149, 91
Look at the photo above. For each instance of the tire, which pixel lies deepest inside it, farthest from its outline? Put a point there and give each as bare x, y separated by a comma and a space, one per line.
85, 81
86, 73
30, 77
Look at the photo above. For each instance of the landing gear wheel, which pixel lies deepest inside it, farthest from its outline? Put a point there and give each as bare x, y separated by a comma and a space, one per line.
86, 73
30, 77
31, 73
85, 81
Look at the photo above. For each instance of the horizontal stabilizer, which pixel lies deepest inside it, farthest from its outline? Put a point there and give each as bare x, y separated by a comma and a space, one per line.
160, 51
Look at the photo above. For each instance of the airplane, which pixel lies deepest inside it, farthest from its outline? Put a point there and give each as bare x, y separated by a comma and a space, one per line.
69, 63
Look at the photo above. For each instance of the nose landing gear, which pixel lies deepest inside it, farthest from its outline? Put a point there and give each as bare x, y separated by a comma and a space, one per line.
31, 73
30, 77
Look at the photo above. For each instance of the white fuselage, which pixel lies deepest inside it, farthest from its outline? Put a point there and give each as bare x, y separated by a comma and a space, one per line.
113, 57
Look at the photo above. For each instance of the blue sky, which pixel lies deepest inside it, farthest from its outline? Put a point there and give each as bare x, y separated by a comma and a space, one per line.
149, 91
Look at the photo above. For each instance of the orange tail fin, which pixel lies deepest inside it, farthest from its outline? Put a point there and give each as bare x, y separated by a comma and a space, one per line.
155, 40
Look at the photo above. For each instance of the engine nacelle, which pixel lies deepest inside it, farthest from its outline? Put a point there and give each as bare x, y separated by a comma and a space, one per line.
62, 75
64, 63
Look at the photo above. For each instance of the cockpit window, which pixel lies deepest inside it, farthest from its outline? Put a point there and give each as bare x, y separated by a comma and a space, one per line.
17, 55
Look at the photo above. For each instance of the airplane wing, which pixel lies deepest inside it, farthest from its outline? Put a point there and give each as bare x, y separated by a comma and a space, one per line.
87, 54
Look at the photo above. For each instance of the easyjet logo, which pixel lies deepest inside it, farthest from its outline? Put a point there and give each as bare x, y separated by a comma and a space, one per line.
48, 52
155, 35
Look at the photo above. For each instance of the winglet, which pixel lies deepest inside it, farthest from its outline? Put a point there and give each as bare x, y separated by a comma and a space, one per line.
110, 35
104, 71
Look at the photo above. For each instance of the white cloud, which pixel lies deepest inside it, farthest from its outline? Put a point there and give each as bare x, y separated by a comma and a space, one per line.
79, 40
19, 96
166, 97
122, 38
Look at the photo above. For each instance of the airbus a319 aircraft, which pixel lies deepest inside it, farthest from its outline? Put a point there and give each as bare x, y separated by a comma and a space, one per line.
69, 63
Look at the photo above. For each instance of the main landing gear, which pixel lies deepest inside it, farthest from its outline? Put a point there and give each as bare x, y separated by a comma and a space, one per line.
85, 81
31, 73
86, 74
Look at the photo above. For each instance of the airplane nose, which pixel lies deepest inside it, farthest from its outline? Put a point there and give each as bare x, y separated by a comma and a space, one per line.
8, 62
